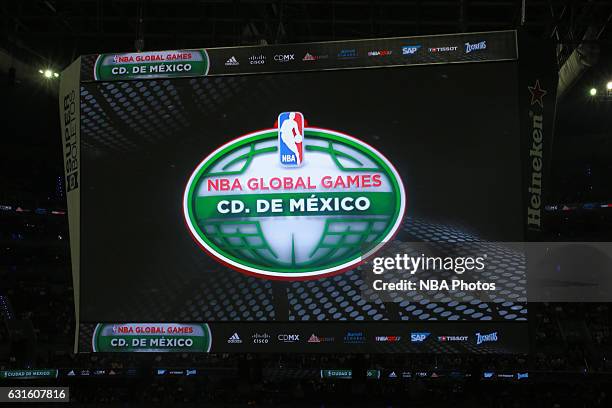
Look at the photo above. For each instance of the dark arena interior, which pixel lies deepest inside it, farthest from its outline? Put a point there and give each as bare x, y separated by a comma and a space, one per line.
321, 203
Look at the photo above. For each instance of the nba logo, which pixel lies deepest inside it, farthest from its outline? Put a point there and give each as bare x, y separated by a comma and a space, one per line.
290, 138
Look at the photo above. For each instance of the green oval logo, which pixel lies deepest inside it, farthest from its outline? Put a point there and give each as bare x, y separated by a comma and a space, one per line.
293, 202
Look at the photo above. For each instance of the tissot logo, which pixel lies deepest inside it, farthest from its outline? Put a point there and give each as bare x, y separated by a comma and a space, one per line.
257, 59
234, 339
288, 338
232, 61
536, 155
443, 49
474, 47
452, 338
486, 338
284, 57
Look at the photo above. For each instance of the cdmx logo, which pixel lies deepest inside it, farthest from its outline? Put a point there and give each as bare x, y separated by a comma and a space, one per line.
293, 202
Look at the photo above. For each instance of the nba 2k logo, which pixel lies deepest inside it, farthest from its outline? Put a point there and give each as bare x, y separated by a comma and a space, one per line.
290, 138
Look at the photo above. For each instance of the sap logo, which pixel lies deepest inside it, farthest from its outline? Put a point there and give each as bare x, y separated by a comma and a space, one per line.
288, 338
473, 47
418, 337
520, 376
488, 374
410, 49
486, 338
190, 372
291, 138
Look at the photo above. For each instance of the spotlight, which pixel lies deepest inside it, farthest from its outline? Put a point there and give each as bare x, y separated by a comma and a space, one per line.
593, 92
609, 86
48, 73
41, 71
55, 74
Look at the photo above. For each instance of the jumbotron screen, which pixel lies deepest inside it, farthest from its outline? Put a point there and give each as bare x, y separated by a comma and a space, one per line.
347, 196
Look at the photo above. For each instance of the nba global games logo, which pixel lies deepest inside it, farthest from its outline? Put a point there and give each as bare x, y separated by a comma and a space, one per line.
293, 202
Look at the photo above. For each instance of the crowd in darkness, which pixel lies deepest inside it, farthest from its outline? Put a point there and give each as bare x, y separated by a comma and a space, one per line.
570, 356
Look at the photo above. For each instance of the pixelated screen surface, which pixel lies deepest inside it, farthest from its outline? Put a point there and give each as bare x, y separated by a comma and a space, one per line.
452, 138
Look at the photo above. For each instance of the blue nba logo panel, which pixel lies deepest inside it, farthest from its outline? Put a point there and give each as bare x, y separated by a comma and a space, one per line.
290, 138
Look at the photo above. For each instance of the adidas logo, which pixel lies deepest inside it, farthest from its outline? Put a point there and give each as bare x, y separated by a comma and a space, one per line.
314, 339
232, 61
308, 57
234, 339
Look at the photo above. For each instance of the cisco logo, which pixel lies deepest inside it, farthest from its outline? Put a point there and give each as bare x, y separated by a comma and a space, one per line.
257, 59
261, 338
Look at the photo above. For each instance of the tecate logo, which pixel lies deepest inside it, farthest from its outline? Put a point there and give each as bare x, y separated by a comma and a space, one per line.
284, 57
311, 57
410, 49
257, 59
288, 338
473, 47
419, 337
486, 338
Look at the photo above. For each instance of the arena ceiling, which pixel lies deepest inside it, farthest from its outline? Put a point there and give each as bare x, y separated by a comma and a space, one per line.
55, 32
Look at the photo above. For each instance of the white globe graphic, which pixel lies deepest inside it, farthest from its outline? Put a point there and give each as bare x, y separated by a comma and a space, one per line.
295, 245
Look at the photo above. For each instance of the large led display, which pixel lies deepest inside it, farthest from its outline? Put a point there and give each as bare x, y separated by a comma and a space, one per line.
245, 193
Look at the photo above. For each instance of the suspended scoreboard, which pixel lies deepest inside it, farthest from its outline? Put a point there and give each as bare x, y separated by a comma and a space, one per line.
244, 198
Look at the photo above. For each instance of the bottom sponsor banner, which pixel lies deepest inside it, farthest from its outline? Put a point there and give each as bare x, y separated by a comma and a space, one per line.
151, 337
327, 337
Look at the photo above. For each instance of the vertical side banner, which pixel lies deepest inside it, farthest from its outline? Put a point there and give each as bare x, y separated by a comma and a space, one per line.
538, 77
70, 123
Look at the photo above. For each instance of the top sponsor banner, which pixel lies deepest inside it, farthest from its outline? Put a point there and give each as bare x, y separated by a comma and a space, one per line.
402, 51
154, 64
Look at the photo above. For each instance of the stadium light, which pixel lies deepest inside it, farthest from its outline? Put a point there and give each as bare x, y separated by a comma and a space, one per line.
609, 86
593, 92
48, 73
55, 74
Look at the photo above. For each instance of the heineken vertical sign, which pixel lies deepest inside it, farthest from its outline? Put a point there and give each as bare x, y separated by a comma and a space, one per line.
293, 202
154, 64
